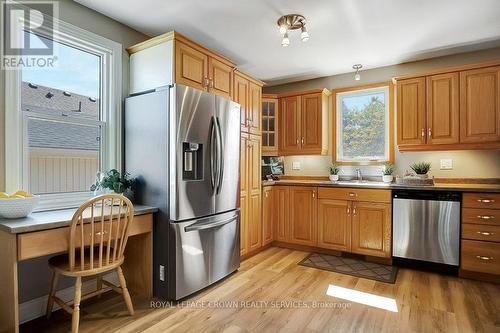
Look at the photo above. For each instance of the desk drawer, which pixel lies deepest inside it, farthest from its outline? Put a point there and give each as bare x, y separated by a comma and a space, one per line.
481, 200
489, 233
355, 194
481, 216
481, 257
41, 243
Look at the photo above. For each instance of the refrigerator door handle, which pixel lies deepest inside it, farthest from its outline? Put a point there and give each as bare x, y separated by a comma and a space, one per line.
202, 226
220, 155
213, 152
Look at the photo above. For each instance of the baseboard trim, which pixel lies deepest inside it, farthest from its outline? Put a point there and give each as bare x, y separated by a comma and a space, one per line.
479, 276
36, 307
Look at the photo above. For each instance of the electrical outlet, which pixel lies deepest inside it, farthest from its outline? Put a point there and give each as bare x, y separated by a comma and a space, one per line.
295, 165
446, 164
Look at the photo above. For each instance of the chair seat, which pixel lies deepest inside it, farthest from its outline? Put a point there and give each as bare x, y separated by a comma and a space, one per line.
60, 263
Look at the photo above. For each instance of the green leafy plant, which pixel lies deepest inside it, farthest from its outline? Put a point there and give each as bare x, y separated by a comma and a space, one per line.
334, 169
421, 168
388, 169
114, 181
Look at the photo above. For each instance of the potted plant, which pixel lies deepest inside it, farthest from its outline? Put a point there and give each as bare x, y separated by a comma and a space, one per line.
113, 181
334, 172
421, 169
388, 170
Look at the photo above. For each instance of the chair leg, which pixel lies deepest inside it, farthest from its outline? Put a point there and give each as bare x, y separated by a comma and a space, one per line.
99, 284
53, 286
76, 305
126, 295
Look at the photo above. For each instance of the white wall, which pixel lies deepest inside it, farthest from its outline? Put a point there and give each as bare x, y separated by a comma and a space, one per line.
466, 164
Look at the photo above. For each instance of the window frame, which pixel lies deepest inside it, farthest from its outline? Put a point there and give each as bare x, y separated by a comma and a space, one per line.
390, 100
111, 96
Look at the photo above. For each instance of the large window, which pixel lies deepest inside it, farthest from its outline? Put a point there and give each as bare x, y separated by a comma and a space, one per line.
67, 125
363, 120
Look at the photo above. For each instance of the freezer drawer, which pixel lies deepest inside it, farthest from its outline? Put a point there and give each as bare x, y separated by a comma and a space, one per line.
205, 251
427, 230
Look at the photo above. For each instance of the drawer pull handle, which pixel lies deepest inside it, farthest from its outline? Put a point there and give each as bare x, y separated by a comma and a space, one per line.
484, 258
99, 233
486, 217
352, 194
485, 233
486, 200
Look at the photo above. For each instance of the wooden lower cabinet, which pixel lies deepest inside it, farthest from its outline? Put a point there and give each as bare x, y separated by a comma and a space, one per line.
267, 215
303, 215
371, 229
334, 224
281, 213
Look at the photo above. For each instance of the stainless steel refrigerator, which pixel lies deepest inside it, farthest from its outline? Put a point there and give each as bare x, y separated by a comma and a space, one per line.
183, 145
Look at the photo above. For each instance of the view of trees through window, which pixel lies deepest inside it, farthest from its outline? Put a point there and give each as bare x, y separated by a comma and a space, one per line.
362, 126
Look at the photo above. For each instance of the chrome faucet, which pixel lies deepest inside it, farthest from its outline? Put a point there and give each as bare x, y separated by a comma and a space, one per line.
358, 174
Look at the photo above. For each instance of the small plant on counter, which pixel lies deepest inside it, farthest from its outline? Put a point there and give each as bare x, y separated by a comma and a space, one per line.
388, 169
334, 172
421, 168
115, 182
334, 169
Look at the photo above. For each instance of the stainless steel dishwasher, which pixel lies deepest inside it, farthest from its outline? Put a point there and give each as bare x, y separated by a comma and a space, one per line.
426, 226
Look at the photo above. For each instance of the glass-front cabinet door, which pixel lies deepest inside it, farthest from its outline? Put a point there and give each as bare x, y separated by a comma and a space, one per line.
269, 125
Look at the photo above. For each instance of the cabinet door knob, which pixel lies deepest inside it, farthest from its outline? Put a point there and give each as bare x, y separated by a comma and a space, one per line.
302, 140
297, 141
314, 194
354, 210
211, 82
205, 81
430, 133
348, 210
423, 132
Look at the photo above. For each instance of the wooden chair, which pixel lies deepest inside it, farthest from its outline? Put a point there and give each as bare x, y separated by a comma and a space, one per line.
97, 239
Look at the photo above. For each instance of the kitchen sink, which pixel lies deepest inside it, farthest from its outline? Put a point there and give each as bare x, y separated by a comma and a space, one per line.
362, 183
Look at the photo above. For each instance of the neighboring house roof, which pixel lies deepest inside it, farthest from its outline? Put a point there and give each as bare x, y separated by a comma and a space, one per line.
51, 134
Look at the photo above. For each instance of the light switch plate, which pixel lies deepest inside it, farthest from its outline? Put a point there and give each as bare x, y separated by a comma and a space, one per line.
295, 165
446, 164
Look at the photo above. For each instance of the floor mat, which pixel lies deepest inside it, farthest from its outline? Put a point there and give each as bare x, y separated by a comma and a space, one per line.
351, 266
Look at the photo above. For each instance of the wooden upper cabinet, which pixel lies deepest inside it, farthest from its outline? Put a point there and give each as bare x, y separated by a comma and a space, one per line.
267, 215
255, 106
270, 111
289, 125
220, 78
311, 123
371, 228
334, 224
191, 66
303, 215
442, 109
411, 127
241, 90
480, 105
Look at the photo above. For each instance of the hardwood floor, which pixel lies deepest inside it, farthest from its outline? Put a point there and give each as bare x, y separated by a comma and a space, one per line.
425, 303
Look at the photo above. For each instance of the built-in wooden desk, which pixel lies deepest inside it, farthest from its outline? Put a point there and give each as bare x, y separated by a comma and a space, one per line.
46, 233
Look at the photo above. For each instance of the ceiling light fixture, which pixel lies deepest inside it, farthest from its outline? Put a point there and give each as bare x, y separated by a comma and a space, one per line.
357, 67
292, 22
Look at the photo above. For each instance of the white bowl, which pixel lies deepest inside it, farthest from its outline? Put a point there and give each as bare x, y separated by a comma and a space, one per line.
18, 207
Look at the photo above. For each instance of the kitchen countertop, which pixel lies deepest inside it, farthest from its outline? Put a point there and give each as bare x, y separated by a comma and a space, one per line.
52, 219
495, 188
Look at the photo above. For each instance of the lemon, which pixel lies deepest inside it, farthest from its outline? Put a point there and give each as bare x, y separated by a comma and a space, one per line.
3, 195
23, 194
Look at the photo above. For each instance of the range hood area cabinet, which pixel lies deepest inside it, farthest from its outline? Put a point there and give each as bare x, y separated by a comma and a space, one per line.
172, 58
449, 109
303, 122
